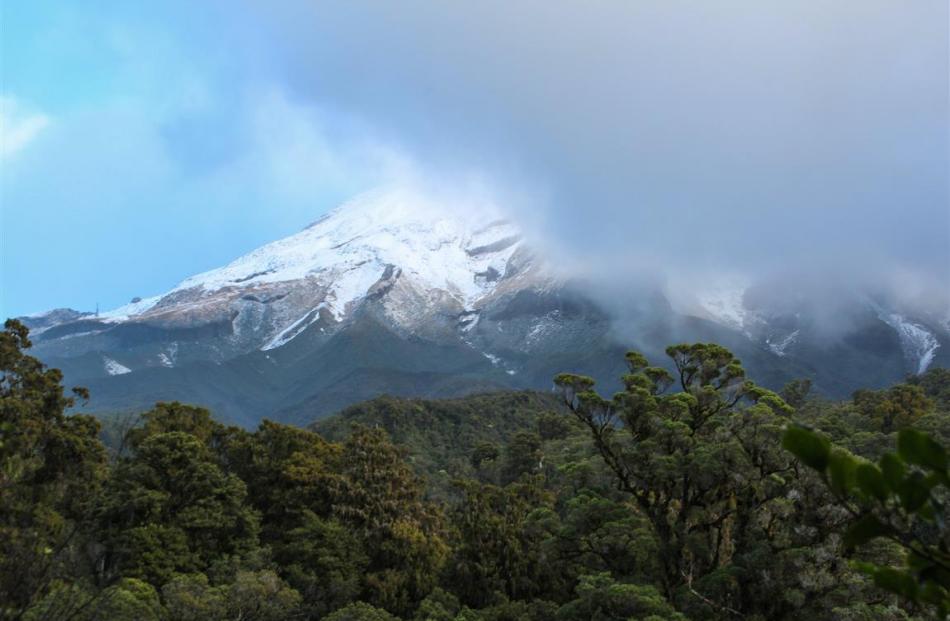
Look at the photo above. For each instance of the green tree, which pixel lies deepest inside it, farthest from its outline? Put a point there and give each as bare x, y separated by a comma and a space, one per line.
51, 466
704, 467
902, 499
598, 534
522, 456
382, 498
601, 597
169, 508
324, 560
497, 545
360, 611
896, 408
936, 385
795, 393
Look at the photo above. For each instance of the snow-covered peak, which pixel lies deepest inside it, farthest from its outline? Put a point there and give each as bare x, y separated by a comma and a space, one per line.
458, 249
440, 246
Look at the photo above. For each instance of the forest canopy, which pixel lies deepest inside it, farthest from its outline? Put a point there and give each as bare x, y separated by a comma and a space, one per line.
693, 493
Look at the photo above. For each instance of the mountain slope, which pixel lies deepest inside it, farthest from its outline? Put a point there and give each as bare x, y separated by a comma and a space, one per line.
397, 293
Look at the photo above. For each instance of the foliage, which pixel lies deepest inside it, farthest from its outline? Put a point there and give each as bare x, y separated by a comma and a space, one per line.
672, 500
51, 468
902, 498
360, 611
704, 469
603, 598
497, 543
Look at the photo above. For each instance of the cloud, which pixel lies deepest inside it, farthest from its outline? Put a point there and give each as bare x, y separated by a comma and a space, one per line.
19, 126
727, 136
660, 139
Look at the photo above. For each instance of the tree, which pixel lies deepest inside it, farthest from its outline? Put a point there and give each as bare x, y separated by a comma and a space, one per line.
382, 499
896, 408
51, 466
936, 385
601, 597
598, 534
323, 560
360, 611
522, 456
796, 392
902, 499
498, 536
704, 467
169, 508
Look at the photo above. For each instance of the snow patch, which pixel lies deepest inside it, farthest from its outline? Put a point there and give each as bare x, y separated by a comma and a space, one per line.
113, 367
778, 347
130, 310
919, 344
723, 302
468, 320
495, 360
295, 329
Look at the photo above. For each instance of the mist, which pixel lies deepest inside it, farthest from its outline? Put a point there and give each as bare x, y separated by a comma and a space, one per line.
675, 144
754, 139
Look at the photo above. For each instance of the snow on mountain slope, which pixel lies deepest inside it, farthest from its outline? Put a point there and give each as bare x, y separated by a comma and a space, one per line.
920, 344
442, 254
781, 327
722, 301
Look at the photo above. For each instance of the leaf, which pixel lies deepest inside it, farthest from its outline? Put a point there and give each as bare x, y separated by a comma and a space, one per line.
922, 450
895, 581
809, 447
893, 469
913, 492
871, 481
863, 530
842, 466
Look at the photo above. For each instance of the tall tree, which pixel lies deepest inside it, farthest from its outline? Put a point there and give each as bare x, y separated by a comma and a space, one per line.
705, 467
170, 508
383, 499
51, 465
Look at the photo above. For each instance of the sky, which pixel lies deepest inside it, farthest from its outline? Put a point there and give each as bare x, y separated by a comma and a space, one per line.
141, 143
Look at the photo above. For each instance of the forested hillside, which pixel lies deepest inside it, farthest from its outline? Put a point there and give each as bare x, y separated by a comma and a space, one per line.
674, 499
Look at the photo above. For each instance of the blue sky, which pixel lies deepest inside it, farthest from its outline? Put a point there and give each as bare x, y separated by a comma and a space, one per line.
145, 142
145, 145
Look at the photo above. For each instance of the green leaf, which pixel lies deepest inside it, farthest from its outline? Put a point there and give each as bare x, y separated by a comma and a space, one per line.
893, 470
871, 481
913, 492
920, 449
895, 581
842, 466
812, 449
863, 530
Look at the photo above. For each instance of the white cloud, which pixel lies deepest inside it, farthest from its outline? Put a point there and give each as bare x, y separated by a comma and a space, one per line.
18, 126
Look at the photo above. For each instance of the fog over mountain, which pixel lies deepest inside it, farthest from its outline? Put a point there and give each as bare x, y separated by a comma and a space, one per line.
802, 139
773, 178
400, 291
677, 144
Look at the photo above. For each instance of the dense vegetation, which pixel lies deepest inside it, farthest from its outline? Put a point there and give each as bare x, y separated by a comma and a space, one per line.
674, 499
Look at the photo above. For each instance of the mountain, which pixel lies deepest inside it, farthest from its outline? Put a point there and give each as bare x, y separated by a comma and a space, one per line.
849, 336
390, 293
398, 293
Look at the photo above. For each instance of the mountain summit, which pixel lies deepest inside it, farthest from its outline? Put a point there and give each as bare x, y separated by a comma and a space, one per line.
424, 260
390, 292
395, 292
